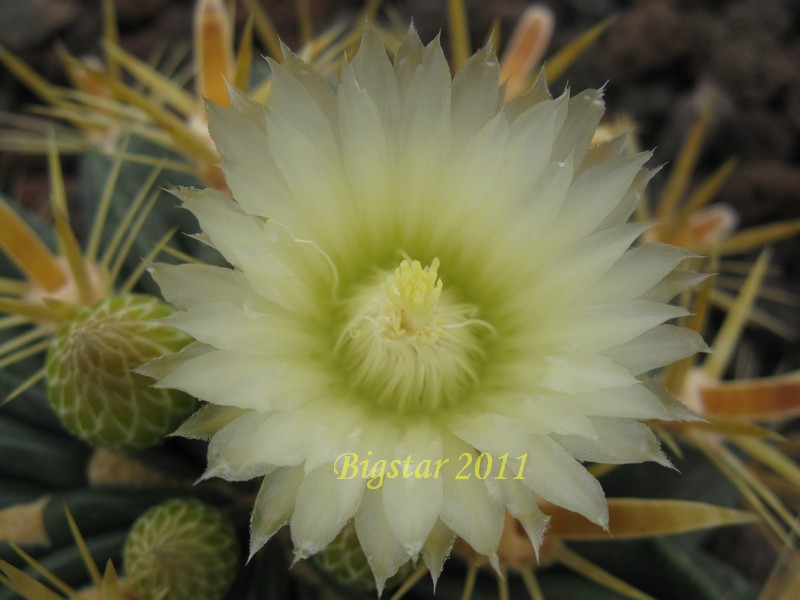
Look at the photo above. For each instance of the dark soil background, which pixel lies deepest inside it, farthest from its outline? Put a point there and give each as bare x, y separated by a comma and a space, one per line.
662, 59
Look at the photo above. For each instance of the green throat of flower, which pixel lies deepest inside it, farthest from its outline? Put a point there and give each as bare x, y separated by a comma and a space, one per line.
407, 344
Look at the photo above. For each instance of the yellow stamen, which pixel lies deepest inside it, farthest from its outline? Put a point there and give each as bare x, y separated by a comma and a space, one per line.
414, 289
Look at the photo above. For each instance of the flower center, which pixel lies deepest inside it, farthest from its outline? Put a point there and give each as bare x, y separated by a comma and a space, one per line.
407, 344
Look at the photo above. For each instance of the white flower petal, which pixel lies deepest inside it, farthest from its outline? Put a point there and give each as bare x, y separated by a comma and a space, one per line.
469, 510
581, 373
521, 503
583, 117
631, 402
474, 95
651, 262
437, 548
384, 553
576, 269
246, 381
596, 328
425, 121
232, 454
365, 149
302, 108
274, 505
619, 441
673, 284
414, 503
192, 284
594, 194
375, 75
324, 504
540, 413
660, 346
490, 432
230, 328
556, 476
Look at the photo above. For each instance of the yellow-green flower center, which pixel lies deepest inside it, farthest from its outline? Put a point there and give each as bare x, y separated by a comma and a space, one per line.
406, 343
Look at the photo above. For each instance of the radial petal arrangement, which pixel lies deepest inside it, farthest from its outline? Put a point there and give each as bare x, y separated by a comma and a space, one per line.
435, 308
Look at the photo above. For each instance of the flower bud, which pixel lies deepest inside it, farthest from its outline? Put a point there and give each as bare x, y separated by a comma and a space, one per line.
90, 380
184, 545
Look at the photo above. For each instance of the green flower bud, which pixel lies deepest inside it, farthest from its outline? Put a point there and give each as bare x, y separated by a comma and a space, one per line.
90, 380
184, 545
344, 561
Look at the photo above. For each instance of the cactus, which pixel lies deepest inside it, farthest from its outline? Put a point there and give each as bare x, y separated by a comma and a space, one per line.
91, 382
185, 546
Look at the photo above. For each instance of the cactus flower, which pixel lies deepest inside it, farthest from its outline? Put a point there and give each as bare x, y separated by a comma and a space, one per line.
435, 309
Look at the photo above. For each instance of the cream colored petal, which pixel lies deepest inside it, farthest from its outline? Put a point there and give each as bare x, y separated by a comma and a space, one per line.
225, 225
637, 271
530, 143
232, 454
414, 503
673, 284
315, 84
376, 77
247, 381
556, 476
437, 549
324, 505
521, 503
469, 509
365, 152
581, 373
622, 212
290, 98
541, 203
474, 100
425, 126
596, 328
274, 505
192, 284
313, 177
539, 92
283, 438
599, 153
574, 272
593, 196
227, 327
207, 421
660, 346
240, 135
540, 413
632, 402
490, 432
473, 172
583, 116
619, 441
407, 60
289, 271
384, 553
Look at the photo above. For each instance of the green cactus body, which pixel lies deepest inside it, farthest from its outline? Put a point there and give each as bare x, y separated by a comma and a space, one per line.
90, 380
184, 545
344, 561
